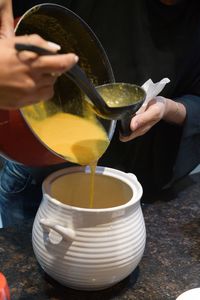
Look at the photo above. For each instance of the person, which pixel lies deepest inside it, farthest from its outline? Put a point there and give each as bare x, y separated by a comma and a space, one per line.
143, 39
25, 77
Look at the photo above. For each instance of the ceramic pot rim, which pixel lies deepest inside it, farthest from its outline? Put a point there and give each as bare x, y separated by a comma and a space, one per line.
128, 178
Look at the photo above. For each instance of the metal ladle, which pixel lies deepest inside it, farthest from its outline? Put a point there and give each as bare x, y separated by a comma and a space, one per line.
114, 101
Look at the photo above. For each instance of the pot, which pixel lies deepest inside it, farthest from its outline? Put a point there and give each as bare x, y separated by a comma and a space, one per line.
89, 248
60, 25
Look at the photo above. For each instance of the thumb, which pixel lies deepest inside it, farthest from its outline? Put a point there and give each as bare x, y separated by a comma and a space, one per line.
135, 123
142, 119
7, 28
6, 33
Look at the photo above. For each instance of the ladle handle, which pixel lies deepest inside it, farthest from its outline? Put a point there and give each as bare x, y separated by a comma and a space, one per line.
124, 125
125, 121
83, 82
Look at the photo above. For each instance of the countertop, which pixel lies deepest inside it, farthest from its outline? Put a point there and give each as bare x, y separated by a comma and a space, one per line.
170, 265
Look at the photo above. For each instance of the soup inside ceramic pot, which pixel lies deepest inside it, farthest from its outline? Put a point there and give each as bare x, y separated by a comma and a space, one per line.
75, 189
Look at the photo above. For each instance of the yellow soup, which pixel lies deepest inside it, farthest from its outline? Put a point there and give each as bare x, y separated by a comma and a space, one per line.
77, 139
74, 189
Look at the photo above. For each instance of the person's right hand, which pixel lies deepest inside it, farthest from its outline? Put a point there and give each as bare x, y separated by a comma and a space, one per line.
25, 77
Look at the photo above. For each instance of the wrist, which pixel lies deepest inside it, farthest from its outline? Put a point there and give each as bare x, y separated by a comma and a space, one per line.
175, 112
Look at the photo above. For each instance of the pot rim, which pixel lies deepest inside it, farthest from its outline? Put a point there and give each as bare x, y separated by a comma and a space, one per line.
128, 178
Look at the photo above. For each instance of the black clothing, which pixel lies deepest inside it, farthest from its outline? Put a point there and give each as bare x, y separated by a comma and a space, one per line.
147, 39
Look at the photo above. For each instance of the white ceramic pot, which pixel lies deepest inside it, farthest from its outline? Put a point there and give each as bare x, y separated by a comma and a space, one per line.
90, 249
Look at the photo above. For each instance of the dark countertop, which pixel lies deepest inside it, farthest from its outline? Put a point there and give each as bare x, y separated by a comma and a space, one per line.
170, 265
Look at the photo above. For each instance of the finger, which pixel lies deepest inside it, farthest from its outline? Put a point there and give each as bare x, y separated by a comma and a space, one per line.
54, 64
138, 132
6, 31
7, 22
27, 56
36, 40
151, 115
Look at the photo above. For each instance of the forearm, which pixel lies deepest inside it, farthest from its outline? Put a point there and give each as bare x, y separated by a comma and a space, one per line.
175, 112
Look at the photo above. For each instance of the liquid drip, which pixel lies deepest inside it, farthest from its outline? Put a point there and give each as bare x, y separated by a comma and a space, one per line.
92, 184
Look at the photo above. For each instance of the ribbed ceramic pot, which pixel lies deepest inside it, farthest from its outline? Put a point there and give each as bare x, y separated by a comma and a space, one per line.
90, 249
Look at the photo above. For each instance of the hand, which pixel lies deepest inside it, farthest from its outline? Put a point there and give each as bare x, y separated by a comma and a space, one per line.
6, 19
25, 77
157, 109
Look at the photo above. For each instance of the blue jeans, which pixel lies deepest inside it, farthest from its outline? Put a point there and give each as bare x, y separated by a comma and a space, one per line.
21, 191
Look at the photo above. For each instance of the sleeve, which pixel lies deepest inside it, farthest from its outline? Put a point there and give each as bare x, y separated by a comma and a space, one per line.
188, 156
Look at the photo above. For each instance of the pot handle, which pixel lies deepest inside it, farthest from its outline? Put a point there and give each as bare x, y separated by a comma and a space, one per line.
67, 233
132, 176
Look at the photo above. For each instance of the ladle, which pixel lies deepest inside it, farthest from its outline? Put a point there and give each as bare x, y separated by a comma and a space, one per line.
124, 99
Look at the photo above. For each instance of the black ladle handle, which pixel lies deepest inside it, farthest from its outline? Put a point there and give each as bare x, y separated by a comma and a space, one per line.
79, 77
124, 125
29, 47
125, 121
76, 74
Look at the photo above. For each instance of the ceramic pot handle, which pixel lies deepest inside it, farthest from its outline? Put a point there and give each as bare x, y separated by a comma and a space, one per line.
67, 233
132, 176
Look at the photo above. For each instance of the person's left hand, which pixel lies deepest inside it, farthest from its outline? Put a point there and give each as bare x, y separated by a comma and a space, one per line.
144, 121
6, 19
